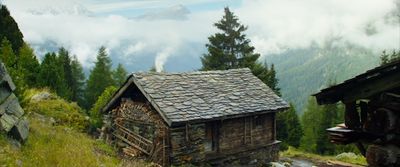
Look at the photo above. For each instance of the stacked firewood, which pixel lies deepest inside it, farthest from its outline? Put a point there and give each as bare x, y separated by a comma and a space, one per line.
139, 130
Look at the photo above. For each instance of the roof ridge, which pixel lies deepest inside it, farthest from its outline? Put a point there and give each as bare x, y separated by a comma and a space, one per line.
196, 72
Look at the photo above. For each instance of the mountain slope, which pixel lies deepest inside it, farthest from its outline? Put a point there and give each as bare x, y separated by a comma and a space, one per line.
302, 72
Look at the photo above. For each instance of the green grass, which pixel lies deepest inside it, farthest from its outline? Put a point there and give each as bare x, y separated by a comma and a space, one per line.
58, 144
49, 145
296, 153
64, 112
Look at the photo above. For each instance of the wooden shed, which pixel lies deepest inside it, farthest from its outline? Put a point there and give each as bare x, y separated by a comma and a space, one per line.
372, 113
214, 117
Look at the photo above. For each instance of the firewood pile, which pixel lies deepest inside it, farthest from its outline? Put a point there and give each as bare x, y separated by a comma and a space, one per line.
137, 130
12, 120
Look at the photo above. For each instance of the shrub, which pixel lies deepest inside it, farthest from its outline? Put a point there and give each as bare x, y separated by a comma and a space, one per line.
95, 115
64, 113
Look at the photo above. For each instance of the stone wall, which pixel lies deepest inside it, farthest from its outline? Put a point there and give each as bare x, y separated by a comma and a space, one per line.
12, 121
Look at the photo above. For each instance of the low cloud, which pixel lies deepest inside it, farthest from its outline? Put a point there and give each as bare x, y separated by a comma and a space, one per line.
177, 12
274, 26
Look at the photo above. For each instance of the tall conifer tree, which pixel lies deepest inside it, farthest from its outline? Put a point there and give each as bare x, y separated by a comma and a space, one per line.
9, 29
100, 77
9, 58
119, 75
51, 75
230, 48
78, 81
29, 65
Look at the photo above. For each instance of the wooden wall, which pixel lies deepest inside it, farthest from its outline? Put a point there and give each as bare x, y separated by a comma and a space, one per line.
190, 143
248, 131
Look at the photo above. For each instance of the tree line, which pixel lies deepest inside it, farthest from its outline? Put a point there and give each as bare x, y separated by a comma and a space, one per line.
59, 71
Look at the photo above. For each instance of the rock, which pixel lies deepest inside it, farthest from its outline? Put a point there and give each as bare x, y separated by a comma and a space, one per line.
4, 77
11, 106
42, 96
20, 131
348, 155
7, 122
4, 93
11, 111
276, 164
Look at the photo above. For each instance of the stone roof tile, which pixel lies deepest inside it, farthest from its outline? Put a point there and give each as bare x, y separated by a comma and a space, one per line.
208, 94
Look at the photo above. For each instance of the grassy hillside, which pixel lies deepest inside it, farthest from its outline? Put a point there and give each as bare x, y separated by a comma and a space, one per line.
303, 72
56, 138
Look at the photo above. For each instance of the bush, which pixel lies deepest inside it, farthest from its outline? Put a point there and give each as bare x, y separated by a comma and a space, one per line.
352, 158
96, 120
50, 105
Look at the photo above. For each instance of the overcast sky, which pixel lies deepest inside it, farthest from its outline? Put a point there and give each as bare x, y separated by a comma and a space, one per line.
161, 29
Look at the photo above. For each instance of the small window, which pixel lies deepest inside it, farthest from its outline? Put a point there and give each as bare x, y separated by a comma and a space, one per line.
258, 122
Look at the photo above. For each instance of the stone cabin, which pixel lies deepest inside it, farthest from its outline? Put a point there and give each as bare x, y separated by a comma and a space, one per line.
214, 117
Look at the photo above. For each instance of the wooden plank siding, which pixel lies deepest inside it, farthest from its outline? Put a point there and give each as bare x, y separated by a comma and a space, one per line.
235, 132
191, 143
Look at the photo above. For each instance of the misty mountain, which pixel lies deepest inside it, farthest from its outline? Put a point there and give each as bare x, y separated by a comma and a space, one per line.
303, 72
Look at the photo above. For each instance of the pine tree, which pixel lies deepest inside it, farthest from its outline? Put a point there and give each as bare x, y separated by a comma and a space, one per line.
230, 48
273, 81
294, 128
9, 29
119, 75
29, 65
328, 117
64, 61
50, 74
282, 130
8, 57
100, 77
289, 129
311, 122
78, 81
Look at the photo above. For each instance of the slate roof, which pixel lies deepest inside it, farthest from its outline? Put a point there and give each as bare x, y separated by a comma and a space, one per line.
204, 95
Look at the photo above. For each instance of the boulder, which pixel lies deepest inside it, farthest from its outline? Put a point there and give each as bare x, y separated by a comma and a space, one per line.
21, 130
4, 92
5, 79
11, 112
7, 122
11, 106
42, 96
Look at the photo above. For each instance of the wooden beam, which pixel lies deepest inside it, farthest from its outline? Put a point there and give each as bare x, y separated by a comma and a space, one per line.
379, 85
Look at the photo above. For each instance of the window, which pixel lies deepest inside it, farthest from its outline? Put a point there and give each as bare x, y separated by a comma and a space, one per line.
258, 122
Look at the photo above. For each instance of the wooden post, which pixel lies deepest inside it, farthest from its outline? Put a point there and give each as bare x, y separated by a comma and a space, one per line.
352, 118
